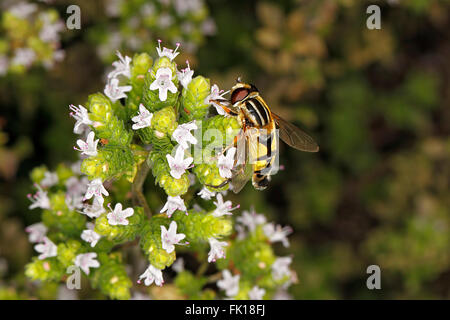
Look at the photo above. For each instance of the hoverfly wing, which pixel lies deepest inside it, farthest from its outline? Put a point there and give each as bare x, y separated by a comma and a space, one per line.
243, 170
294, 136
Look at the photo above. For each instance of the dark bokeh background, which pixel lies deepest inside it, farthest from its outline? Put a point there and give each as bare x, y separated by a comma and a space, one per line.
377, 101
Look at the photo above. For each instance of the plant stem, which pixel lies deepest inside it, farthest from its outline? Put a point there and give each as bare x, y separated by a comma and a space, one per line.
136, 188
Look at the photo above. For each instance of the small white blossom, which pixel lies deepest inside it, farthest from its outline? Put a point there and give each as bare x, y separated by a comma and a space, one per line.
23, 10
169, 238
75, 186
182, 134
256, 293
96, 188
217, 249
282, 294
50, 30
74, 201
94, 210
88, 147
229, 283
89, 235
178, 265
86, 261
169, 53
280, 268
23, 57
119, 216
50, 179
251, 219
178, 165
143, 119
121, 67
206, 194
226, 163
216, 94
80, 114
37, 232
47, 249
185, 76
39, 199
173, 204
114, 91
151, 275
277, 233
223, 208
163, 83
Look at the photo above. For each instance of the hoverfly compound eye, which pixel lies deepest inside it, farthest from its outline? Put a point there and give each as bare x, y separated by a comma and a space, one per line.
239, 94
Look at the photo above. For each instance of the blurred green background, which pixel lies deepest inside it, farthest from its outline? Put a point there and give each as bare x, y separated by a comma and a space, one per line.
377, 102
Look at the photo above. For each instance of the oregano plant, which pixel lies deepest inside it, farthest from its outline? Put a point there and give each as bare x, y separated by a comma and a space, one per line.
152, 155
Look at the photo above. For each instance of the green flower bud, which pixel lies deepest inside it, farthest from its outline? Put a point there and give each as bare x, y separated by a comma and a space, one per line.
120, 233
189, 284
63, 173
67, 251
38, 173
164, 121
111, 278
193, 99
49, 269
199, 226
60, 217
110, 161
151, 243
208, 174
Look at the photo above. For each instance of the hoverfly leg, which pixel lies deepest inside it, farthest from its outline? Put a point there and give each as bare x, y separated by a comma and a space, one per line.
223, 184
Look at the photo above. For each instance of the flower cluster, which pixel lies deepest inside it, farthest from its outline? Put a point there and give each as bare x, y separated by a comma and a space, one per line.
185, 21
30, 36
152, 118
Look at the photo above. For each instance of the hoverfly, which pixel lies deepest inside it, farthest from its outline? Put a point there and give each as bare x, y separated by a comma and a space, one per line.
257, 141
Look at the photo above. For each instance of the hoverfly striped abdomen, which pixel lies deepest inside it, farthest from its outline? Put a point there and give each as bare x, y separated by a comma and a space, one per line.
256, 113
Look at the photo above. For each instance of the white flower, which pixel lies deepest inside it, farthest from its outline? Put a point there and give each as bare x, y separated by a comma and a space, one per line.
86, 261
76, 187
24, 57
170, 237
251, 219
178, 265
94, 210
256, 293
122, 66
281, 294
229, 283
119, 216
37, 232
88, 147
151, 275
216, 94
81, 116
47, 249
39, 199
185, 76
217, 251
206, 194
226, 163
277, 233
89, 235
23, 10
50, 179
182, 134
173, 204
114, 91
169, 53
223, 208
143, 119
74, 201
50, 30
178, 165
96, 188
280, 268
163, 82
